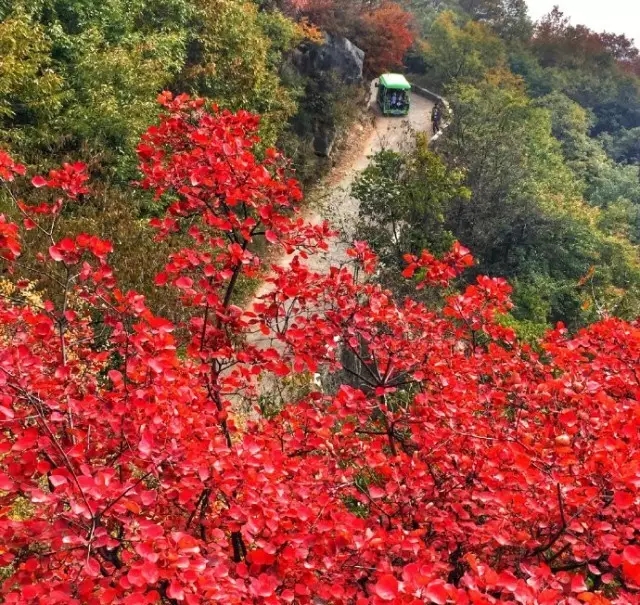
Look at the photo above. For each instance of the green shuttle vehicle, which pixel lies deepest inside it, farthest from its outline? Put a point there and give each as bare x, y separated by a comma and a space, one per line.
393, 94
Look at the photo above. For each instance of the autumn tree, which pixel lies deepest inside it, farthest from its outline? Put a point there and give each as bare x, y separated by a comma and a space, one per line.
460, 53
592, 68
513, 162
382, 29
336, 17
508, 18
78, 82
456, 465
386, 36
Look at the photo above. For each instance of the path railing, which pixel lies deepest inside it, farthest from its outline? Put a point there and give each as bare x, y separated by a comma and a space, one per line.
432, 96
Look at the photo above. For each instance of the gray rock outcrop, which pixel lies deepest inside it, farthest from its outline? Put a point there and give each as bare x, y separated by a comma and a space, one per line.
333, 62
337, 55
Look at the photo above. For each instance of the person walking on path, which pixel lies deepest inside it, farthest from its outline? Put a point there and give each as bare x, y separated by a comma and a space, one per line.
435, 118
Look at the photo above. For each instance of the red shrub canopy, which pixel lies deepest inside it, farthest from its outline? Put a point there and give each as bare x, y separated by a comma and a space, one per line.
452, 465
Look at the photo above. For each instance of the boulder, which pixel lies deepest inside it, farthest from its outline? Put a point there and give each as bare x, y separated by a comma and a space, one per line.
326, 64
337, 55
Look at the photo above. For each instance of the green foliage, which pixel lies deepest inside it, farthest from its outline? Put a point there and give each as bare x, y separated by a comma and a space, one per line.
91, 72
613, 187
231, 60
593, 69
113, 104
458, 52
402, 205
539, 81
531, 166
80, 78
621, 218
624, 145
403, 200
570, 122
283, 34
507, 18
31, 93
525, 218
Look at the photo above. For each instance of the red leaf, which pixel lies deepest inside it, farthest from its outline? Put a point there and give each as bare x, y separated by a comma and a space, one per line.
57, 480
161, 279
175, 591
271, 237
55, 253
437, 592
264, 585
631, 554
6, 483
386, 587
92, 567
156, 366
149, 572
184, 283
409, 271
260, 557
67, 245
624, 499
376, 492
578, 584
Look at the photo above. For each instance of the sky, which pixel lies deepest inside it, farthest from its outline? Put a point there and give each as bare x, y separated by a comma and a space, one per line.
616, 16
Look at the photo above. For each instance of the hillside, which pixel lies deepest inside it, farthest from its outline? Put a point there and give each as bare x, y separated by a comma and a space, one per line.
262, 344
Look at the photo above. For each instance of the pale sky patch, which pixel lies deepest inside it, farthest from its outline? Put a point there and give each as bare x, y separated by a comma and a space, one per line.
614, 16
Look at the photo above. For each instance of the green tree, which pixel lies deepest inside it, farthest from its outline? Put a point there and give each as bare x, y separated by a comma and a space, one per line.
526, 217
31, 93
112, 58
403, 199
460, 53
623, 145
508, 18
91, 72
613, 187
592, 69
115, 86
231, 60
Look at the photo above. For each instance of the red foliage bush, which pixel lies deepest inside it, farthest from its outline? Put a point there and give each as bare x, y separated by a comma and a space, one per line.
383, 31
559, 43
453, 465
386, 38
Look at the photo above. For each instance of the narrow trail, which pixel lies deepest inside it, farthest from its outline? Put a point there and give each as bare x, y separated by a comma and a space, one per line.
336, 205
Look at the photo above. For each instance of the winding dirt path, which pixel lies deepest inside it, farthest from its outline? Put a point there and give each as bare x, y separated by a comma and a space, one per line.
336, 205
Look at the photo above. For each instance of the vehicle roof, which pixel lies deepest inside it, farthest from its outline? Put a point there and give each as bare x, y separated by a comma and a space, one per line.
397, 81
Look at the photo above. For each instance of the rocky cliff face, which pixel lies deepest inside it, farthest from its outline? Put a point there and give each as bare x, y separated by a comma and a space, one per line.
337, 55
328, 64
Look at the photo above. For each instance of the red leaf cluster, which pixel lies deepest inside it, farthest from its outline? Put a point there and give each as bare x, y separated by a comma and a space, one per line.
383, 30
388, 35
9, 169
451, 464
